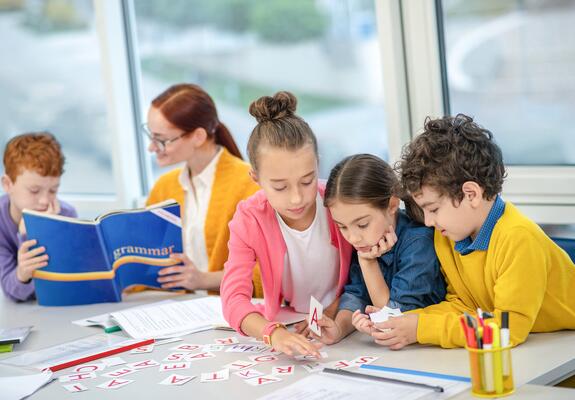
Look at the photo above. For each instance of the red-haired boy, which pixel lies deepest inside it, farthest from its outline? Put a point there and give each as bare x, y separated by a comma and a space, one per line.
33, 165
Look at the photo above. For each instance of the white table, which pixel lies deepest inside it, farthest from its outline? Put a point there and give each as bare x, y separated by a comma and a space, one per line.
544, 359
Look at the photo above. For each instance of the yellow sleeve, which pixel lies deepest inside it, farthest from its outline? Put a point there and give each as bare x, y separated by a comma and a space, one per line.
439, 323
154, 196
521, 281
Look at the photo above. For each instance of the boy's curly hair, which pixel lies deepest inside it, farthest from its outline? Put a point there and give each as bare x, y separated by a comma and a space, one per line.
450, 152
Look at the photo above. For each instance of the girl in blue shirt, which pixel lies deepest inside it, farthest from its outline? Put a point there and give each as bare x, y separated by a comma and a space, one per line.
394, 262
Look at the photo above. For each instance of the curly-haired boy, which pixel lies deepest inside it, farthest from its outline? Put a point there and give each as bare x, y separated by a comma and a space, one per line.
492, 256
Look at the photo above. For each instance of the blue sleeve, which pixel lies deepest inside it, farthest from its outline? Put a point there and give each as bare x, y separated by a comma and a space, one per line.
418, 282
67, 210
355, 295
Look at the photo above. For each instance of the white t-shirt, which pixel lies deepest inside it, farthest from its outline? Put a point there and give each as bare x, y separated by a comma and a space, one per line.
311, 264
198, 193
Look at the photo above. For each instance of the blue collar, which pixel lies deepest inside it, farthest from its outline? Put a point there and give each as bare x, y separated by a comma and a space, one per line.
481, 242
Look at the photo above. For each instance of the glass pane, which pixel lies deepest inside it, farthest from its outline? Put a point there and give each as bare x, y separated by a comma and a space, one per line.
511, 65
50, 79
325, 52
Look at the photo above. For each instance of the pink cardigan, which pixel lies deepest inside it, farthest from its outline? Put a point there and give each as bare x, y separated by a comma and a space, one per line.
255, 236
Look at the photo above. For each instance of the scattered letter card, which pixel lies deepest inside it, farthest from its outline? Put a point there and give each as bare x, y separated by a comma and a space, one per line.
363, 360
76, 387
222, 375
283, 370
248, 373
176, 380
115, 384
315, 314
262, 380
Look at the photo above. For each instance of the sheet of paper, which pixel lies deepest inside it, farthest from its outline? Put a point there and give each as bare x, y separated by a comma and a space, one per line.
106, 321
19, 387
315, 314
172, 318
384, 314
72, 350
324, 387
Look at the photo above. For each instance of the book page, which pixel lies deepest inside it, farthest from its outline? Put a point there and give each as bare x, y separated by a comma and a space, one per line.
171, 319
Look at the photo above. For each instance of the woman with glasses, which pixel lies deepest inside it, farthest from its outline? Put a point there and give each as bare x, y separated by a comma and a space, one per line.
183, 126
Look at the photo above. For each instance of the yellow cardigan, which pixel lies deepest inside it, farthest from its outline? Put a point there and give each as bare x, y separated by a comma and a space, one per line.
523, 271
232, 184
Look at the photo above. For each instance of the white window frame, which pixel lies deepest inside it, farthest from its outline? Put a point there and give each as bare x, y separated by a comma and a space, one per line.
127, 183
545, 193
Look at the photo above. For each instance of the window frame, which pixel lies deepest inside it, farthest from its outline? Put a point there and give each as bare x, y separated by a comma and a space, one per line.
545, 193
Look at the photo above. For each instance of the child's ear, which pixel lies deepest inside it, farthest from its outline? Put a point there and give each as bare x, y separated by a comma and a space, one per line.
6, 183
393, 205
472, 192
254, 176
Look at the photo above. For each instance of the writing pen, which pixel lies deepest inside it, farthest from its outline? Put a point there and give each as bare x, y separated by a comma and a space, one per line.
350, 374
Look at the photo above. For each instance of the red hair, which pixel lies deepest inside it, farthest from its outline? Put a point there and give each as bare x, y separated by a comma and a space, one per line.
188, 107
38, 151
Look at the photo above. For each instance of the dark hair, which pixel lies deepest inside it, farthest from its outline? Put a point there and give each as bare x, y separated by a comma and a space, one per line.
188, 107
278, 126
365, 178
36, 151
450, 152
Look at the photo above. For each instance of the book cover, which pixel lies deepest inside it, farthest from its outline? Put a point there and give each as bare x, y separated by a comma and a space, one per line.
94, 261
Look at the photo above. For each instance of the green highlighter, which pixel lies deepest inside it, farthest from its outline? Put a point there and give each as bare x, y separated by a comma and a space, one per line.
6, 348
497, 361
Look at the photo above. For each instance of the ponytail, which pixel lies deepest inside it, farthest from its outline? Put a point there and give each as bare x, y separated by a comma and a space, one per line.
224, 138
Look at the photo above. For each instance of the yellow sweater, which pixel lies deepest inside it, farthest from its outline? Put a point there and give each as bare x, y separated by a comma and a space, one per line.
232, 183
523, 272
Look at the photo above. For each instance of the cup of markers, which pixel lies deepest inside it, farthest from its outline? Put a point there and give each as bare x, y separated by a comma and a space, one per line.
489, 353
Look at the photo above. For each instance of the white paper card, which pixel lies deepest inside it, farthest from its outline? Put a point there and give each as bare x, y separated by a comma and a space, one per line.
115, 384
176, 380
315, 314
74, 388
263, 380
216, 376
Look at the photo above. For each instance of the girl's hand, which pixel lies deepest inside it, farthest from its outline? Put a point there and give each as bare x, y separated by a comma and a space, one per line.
293, 343
30, 260
385, 244
361, 322
187, 276
330, 331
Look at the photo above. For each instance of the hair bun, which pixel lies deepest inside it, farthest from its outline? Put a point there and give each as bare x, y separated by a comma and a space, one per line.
268, 108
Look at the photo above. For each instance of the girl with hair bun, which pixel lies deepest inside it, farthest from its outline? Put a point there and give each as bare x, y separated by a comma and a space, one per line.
183, 127
285, 229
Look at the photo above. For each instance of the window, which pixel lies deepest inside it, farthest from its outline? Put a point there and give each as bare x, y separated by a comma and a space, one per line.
50, 79
325, 52
510, 64
480, 58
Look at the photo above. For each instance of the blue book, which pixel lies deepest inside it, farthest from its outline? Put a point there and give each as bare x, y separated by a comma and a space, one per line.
94, 261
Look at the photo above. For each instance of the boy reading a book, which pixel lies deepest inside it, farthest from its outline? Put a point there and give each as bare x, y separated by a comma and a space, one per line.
33, 165
492, 256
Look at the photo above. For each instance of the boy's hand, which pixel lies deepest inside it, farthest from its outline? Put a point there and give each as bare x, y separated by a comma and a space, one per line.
293, 343
54, 207
330, 331
30, 260
385, 244
187, 276
361, 322
402, 331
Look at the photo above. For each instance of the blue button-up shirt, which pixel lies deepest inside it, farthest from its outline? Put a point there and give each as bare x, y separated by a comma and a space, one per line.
410, 269
481, 242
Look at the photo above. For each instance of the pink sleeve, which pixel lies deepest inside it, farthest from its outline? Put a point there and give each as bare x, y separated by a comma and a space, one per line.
236, 288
